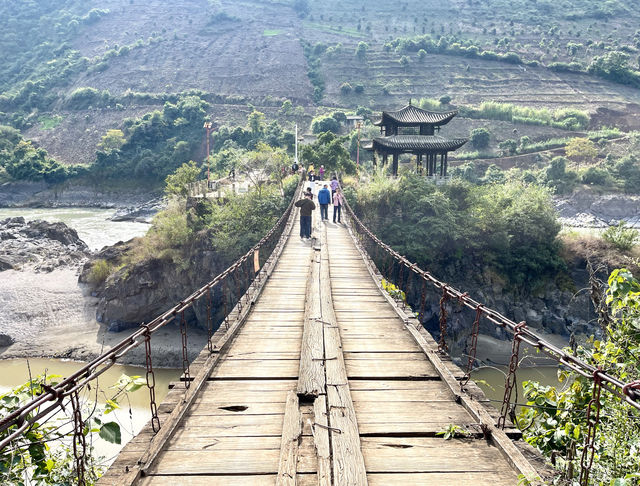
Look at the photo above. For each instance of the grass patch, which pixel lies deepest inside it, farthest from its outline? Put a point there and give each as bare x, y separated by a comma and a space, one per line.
271, 32
50, 122
334, 30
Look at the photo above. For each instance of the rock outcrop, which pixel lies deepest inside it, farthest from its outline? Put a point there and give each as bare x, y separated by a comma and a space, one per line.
588, 210
39, 245
139, 292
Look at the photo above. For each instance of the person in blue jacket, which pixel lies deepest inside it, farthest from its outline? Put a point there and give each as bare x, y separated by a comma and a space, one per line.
324, 198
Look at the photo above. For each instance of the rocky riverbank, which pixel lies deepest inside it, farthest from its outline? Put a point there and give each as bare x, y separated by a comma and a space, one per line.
584, 209
68, 194
39, 246
47, 313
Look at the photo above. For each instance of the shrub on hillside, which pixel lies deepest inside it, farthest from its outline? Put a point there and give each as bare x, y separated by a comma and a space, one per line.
621, 236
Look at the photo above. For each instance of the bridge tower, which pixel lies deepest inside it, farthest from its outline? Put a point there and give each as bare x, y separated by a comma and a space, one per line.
412, 130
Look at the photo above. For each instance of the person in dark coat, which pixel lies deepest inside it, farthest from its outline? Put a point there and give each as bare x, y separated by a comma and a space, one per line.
306, 206
324, 199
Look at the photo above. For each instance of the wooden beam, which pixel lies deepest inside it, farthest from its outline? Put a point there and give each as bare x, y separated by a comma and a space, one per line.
321, 440
311, 375
348, 461
291, 436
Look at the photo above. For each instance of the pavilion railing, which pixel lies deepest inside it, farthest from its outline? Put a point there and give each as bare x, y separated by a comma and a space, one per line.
398, 270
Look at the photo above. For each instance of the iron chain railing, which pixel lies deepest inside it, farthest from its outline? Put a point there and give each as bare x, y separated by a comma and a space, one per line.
626, 392
251, 265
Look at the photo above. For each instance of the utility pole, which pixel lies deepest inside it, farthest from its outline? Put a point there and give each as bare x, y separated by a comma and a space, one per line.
207, 127
358, 125
295, 158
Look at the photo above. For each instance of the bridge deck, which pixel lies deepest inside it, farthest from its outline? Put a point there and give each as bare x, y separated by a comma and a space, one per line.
233, 434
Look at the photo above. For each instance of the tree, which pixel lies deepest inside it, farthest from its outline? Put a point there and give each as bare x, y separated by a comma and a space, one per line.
113, 140
445, 100
361, 50
177, 184
480, 138
286, 108
329, 150
301, 7
404, 61
509, 146
255, 121
581, 149
325, 124
422, 54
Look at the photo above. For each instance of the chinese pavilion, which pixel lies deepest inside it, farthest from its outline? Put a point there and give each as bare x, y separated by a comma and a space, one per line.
412, 130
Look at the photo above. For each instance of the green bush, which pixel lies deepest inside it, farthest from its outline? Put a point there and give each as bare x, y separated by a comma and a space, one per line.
622, 237
100, 271
510, 227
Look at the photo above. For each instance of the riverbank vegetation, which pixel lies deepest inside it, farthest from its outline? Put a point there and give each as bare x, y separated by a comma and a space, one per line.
554, 419
451, 229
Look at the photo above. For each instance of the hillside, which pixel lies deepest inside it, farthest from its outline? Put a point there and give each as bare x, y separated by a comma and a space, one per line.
136, 55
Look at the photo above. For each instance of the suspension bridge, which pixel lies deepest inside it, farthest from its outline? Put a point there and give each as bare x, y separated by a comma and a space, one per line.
317, 375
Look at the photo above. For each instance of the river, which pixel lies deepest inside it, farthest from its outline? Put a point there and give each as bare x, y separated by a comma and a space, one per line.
134, 412
92, 224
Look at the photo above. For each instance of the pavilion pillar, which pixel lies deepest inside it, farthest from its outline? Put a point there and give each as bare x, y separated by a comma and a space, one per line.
441, 165
395, 165
419, 163
446, 162
384, 159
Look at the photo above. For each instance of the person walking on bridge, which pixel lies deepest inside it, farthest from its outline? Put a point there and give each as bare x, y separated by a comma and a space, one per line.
306, 206
324, 198
334, 184
338, 201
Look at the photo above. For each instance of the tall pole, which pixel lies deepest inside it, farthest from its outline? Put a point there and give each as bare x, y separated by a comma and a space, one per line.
207, 126
358, 148
295, 159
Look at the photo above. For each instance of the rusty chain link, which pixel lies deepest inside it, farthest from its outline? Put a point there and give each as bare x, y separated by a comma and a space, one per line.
442, 343
423, 301
589, 450
79, 439
151, 380
209, 323
185, 355
475, 329
510, 380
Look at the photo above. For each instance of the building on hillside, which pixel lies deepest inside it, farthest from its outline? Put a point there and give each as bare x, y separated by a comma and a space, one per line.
412, 130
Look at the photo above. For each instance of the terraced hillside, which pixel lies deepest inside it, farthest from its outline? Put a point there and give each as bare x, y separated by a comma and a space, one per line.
137, 54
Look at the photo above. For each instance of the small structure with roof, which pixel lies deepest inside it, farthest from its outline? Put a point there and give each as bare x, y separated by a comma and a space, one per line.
412, 130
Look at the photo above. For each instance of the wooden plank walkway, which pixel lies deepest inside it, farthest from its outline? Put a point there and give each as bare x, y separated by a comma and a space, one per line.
368, 415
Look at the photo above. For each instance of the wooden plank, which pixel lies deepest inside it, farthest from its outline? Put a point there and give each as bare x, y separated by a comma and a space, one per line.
365, 368
348, 462
213, 462
498, 478
245, 368
224, 409
291, 432
509, 451
428, 454
321, 441
311, 374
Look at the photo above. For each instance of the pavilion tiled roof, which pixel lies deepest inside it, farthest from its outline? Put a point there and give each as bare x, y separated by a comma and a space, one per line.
413, 115
419, 142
